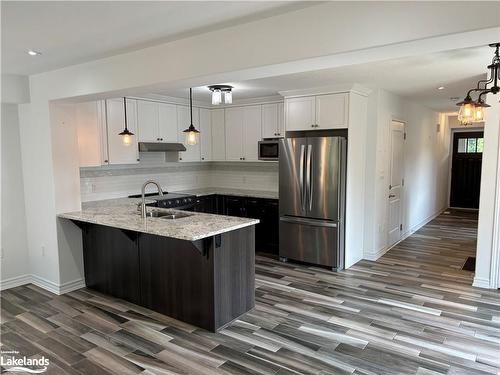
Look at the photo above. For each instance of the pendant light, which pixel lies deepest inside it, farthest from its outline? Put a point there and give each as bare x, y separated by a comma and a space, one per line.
126, 134
191, 132
218, 90
473, 110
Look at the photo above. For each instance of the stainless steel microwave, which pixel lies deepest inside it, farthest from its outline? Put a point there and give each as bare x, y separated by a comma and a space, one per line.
269, 150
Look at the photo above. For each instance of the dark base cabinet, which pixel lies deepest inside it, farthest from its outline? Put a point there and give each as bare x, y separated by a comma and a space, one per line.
207, 283
266, 210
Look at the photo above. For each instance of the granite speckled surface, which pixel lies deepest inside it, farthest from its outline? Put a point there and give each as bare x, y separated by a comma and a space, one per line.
235, 192
122, 213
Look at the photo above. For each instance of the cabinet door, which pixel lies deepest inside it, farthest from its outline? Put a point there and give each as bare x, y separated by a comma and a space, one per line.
205, 135
252, 125
147, 121
192, 152
300, 113
269, 120
120, 153
281, 120
91, 133
331, 111
234, 206
167, 122
218, 135
234, 133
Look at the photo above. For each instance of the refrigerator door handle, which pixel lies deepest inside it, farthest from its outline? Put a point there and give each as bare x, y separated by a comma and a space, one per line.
301, 177
309, 176
314, 223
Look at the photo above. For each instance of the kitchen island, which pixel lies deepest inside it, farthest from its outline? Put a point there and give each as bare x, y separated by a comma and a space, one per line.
198, 268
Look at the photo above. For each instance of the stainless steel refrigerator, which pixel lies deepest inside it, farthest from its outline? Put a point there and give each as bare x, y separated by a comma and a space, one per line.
312, 172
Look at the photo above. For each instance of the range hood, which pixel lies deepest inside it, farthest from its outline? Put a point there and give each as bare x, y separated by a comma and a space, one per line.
160, 147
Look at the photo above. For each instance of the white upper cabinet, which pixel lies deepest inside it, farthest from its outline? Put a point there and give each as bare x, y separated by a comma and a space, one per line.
205, 134
147, 121
157, 122
167, 122
331, 111
192, 152
218, 134
119, 153
273, 121
317, 112
234, 133
252, 125
92, 135
300, 113
243, 132
270, 121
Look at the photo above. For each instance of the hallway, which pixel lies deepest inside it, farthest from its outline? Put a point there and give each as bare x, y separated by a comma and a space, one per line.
411, 312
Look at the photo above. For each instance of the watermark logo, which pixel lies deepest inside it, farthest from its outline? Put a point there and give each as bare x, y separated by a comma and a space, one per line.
11, 361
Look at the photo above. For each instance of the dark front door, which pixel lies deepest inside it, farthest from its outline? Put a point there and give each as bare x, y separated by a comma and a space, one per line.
466, 169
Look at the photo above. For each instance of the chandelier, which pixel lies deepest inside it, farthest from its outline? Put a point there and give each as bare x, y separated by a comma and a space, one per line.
473, 110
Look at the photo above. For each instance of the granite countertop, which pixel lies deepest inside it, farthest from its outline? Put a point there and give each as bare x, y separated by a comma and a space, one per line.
235, 192
122, 213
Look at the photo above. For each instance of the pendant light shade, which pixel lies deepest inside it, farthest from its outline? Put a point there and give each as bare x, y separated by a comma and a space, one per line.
126, 134
473, 110
218, 90
191, 132
216, 97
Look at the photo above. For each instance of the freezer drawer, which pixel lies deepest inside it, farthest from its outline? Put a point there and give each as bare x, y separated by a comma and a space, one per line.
311, 241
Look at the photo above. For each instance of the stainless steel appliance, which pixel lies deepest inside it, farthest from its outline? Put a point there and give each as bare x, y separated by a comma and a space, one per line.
312, 172
269, 150
170, 200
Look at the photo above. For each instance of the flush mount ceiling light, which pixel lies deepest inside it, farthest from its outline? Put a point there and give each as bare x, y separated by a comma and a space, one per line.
218, 90
32, 52
473, 110
126, 134
191, 132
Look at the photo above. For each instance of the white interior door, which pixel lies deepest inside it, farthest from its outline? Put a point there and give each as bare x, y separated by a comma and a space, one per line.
396, 181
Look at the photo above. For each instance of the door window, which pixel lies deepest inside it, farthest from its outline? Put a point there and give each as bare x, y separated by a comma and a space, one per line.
470, 145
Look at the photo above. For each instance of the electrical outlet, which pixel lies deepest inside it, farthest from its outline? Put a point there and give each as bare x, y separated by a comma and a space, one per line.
43, 250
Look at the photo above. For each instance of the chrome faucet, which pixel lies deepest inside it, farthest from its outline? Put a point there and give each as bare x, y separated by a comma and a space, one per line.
143, 193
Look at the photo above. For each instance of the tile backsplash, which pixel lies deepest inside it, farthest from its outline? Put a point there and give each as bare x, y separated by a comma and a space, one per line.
120, 181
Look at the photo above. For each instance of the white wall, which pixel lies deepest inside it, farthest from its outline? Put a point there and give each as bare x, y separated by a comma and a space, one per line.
488, 242
426, 168
15, 266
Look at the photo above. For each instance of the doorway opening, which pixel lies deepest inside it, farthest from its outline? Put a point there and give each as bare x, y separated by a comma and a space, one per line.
467, 157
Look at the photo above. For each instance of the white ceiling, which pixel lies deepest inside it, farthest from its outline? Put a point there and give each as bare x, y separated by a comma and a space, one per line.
72, 32
417, 78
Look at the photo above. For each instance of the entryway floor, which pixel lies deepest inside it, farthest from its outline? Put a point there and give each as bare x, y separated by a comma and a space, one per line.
411, 312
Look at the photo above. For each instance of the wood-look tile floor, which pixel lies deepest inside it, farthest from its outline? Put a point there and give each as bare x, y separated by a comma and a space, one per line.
411, 312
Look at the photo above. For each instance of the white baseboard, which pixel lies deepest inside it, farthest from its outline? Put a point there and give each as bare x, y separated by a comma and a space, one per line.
480, 282
43, 283
404, 236
15, 281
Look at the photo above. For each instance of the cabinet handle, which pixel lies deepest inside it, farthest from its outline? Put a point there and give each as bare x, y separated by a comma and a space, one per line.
106, 161
202, 158
180, 158
138, 159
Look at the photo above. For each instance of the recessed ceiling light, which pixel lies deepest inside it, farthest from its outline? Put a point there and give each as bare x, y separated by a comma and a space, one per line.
441, 88
32, 52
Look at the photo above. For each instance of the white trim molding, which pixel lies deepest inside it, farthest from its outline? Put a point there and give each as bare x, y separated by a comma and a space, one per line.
480, 282
15, 281
408, 233
43, 283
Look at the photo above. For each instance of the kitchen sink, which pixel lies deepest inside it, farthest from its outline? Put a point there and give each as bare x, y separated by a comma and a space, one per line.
167, 215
